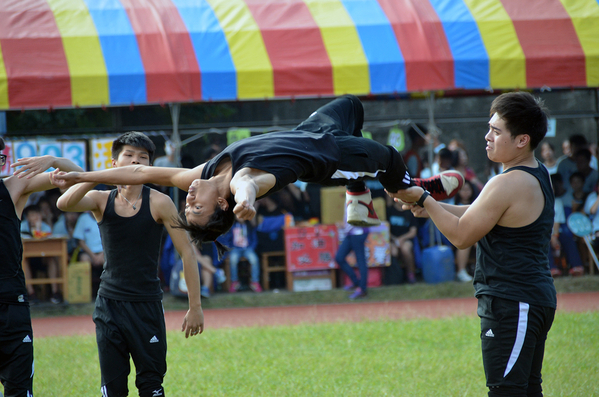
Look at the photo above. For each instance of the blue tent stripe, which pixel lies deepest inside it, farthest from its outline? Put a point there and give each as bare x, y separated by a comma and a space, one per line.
126, 74
471, 60
386, 63
219, 79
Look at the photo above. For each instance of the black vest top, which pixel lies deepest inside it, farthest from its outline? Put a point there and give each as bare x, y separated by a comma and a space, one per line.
131, 249
12, 278
288, 155
513, 263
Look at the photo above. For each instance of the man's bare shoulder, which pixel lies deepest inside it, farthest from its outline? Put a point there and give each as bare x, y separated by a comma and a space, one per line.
161, 202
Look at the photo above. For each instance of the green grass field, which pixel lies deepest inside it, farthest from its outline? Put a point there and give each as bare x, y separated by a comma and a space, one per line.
380, 358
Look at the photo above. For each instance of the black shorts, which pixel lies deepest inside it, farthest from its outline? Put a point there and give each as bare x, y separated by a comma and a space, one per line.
513, 338
16, 350
130, 329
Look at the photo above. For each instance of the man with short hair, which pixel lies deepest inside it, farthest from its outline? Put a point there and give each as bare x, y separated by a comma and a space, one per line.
16, 335
511, 220
129, 316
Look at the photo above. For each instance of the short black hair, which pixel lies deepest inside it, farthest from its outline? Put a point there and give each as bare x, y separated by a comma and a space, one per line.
135, 139
2, 146
31, 208
523, 114
218, 224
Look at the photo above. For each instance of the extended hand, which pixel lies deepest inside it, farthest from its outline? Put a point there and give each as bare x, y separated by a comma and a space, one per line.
409, 195
31, 166
244, 211
63, 179
193, 323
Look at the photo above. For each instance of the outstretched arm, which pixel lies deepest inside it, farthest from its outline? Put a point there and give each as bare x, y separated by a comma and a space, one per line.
32, 166
134, 175
193, 323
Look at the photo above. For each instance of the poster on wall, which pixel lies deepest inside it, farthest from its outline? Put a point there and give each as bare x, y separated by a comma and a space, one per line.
101, 153
76, 151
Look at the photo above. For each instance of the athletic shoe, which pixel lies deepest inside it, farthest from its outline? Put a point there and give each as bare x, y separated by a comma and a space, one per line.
56, 298
555, 272
358, 294
577, 271
234, 286
255, 287
463, 276
220, 276
349, 288
411, 278
360, 211
442, 186
205, 292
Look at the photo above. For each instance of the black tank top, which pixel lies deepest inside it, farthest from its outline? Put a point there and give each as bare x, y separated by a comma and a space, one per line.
12, 278
131, 249
513, 263
307, 156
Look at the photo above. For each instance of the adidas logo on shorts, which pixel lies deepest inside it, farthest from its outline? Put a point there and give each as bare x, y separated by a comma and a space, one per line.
154, 339
27, 339
490, 334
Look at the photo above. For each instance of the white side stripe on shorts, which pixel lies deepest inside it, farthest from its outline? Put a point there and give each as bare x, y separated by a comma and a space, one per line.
520, 335
353, 175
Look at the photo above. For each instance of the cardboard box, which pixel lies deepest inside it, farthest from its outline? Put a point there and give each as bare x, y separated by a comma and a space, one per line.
80, 282
332, 205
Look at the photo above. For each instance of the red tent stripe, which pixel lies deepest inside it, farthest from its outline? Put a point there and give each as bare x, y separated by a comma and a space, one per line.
421, 38
172, 71
33, 55
299, 59
554, 56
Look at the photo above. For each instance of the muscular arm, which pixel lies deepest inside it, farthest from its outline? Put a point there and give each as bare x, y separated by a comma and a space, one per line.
166, 212
134, 175
81, 198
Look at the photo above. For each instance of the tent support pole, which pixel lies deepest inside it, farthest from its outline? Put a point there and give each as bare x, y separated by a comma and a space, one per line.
176, 139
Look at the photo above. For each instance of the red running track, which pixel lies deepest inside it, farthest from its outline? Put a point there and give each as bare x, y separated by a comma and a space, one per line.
292, 315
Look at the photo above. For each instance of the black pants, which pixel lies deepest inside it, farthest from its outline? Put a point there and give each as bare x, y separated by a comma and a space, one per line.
131, 329
16, 350
513, 338
361, 158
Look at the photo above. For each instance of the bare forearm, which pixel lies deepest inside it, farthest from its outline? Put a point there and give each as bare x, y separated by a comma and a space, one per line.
66, 165
70, 200
192, 279
457, 210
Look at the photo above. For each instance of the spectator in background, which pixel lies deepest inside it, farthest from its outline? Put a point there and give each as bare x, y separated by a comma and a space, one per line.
168, 160
548, 156
461, 164
567, 164
88, 238
577, 196
582, 158
412, 157
207, 270
404, 230
64, 227
355, 239
32, 226
445, 160
466, 196
242, 240
562, 242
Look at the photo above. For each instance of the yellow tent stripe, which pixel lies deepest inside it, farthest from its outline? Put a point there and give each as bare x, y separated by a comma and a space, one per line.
585, 17
89, 78
507, 63
252, 64
3, 84
341, 40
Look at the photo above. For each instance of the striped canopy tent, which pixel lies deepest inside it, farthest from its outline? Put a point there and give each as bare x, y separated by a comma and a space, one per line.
88, 53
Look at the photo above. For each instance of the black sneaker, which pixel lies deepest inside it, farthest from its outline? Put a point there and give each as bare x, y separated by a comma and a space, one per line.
56, 298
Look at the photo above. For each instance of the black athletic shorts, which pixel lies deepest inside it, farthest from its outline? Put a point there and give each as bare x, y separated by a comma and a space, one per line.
131, 329
16, 350
513, 338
